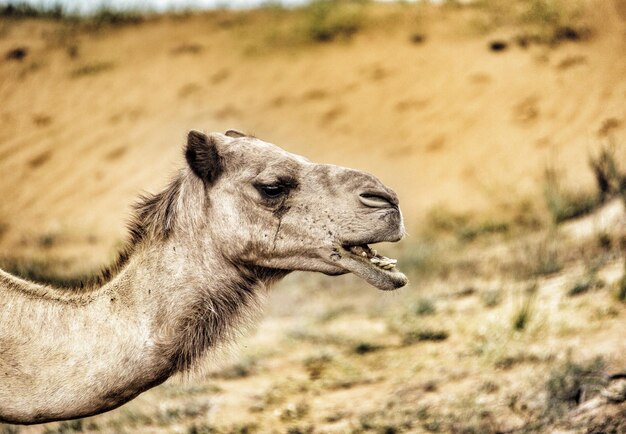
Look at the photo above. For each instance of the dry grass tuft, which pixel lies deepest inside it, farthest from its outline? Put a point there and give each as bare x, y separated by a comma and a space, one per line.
566, 204
571, 384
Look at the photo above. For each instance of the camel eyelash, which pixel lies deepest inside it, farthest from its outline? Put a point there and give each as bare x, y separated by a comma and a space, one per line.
276, 189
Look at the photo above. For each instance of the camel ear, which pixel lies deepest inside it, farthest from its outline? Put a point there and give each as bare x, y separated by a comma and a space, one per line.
234, 134
202, 157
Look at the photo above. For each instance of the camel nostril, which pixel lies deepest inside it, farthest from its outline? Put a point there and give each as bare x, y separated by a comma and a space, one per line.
378, 200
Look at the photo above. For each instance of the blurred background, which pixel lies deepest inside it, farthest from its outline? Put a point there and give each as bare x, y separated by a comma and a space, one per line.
501, 125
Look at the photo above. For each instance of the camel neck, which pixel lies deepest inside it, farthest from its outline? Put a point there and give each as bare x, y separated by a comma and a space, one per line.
159, 314
197, 298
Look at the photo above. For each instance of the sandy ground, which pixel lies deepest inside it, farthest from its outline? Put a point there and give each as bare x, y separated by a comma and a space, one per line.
89, 119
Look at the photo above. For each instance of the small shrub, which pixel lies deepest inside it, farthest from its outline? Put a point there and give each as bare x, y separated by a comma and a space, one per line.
366, 347
316, 366
610, 176
91, 69
523, 315
545, 12
580, 287
510, 361
471, 231
586, 283
305, 429
491, 298
463, 226
111, 17
572, 383
556, 21
414, 336
201, 429
424, 307
563, 204
21, 10
545, 258
72, 426
242, 369
327, 20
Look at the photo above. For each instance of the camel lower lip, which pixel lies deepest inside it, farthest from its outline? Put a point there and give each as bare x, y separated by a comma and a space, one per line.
377, 270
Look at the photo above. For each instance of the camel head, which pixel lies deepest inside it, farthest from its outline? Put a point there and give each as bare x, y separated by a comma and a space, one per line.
271, 210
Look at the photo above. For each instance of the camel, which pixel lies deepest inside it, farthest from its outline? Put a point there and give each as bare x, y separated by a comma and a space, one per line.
240, 215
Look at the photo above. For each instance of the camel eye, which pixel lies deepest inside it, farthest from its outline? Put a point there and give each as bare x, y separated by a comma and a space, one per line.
272, 191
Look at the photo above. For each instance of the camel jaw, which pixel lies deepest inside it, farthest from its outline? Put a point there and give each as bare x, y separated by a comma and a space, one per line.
375, 269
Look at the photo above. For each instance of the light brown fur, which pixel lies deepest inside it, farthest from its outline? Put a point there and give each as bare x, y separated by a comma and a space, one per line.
199, 254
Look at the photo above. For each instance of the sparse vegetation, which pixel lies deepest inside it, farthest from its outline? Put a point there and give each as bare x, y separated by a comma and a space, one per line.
425, 306
544, 258
621, 288
91, 69
327, 20
110, 17
565, 204
465, 349
103, 17
572, 383
69, 427
586, 283
422, 335
545, 22
465, 227
366, 347
609, 173
491, 298
524, 313
20, 10
241, 369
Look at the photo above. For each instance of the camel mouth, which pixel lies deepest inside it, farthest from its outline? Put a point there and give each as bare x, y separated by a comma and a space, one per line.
365, 262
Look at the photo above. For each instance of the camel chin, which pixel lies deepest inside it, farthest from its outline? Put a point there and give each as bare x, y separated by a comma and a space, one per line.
377, 270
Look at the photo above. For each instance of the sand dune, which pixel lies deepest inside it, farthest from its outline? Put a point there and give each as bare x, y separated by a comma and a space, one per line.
90, 119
